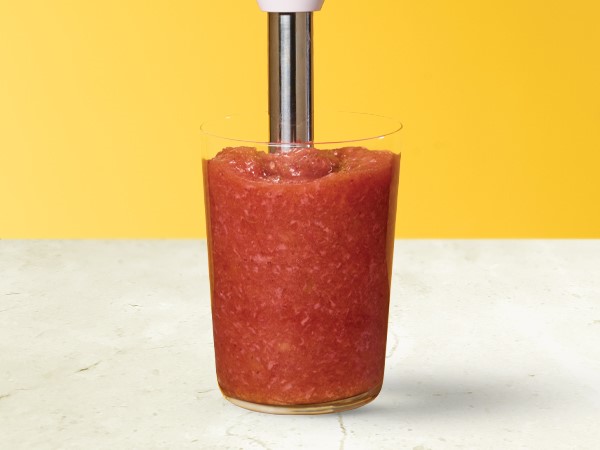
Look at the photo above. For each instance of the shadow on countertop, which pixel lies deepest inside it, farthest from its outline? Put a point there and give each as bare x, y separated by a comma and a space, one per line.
445, 394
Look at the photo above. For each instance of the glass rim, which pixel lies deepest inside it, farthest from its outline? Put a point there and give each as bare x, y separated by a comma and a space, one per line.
394, 127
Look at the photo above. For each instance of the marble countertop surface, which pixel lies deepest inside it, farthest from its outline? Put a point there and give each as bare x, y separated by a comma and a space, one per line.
108, 344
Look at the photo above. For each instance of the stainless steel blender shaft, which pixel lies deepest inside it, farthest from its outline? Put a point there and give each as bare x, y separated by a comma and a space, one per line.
290, 78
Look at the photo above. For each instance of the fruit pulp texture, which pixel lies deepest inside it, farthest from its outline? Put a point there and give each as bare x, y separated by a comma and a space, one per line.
300, 253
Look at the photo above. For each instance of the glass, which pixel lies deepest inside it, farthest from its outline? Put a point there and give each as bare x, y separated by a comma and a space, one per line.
300, 250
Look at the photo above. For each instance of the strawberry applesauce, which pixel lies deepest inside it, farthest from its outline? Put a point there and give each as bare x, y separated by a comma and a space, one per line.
300, 251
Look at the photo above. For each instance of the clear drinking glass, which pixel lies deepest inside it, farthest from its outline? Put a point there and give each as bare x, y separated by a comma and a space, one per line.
300, 249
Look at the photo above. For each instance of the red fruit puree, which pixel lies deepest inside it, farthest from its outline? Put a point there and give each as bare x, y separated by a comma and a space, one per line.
300, 247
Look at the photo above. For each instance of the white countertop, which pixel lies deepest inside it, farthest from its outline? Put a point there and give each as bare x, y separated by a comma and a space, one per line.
108, 344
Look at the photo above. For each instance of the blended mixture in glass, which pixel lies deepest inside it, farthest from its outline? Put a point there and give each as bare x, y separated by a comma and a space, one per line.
300, 252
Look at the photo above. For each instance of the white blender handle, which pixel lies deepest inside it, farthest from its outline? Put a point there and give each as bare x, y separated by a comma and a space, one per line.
289, 6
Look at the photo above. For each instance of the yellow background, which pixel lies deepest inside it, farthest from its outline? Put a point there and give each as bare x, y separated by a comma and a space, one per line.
100, 104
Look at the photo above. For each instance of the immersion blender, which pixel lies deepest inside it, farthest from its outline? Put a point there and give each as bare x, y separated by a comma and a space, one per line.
291, 119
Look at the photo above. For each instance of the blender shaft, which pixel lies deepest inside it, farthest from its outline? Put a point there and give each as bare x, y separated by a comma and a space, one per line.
290, 78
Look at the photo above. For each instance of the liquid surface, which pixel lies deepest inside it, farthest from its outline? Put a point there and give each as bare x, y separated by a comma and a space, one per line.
300, 259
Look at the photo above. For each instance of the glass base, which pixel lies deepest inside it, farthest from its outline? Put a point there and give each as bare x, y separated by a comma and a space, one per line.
314, 408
